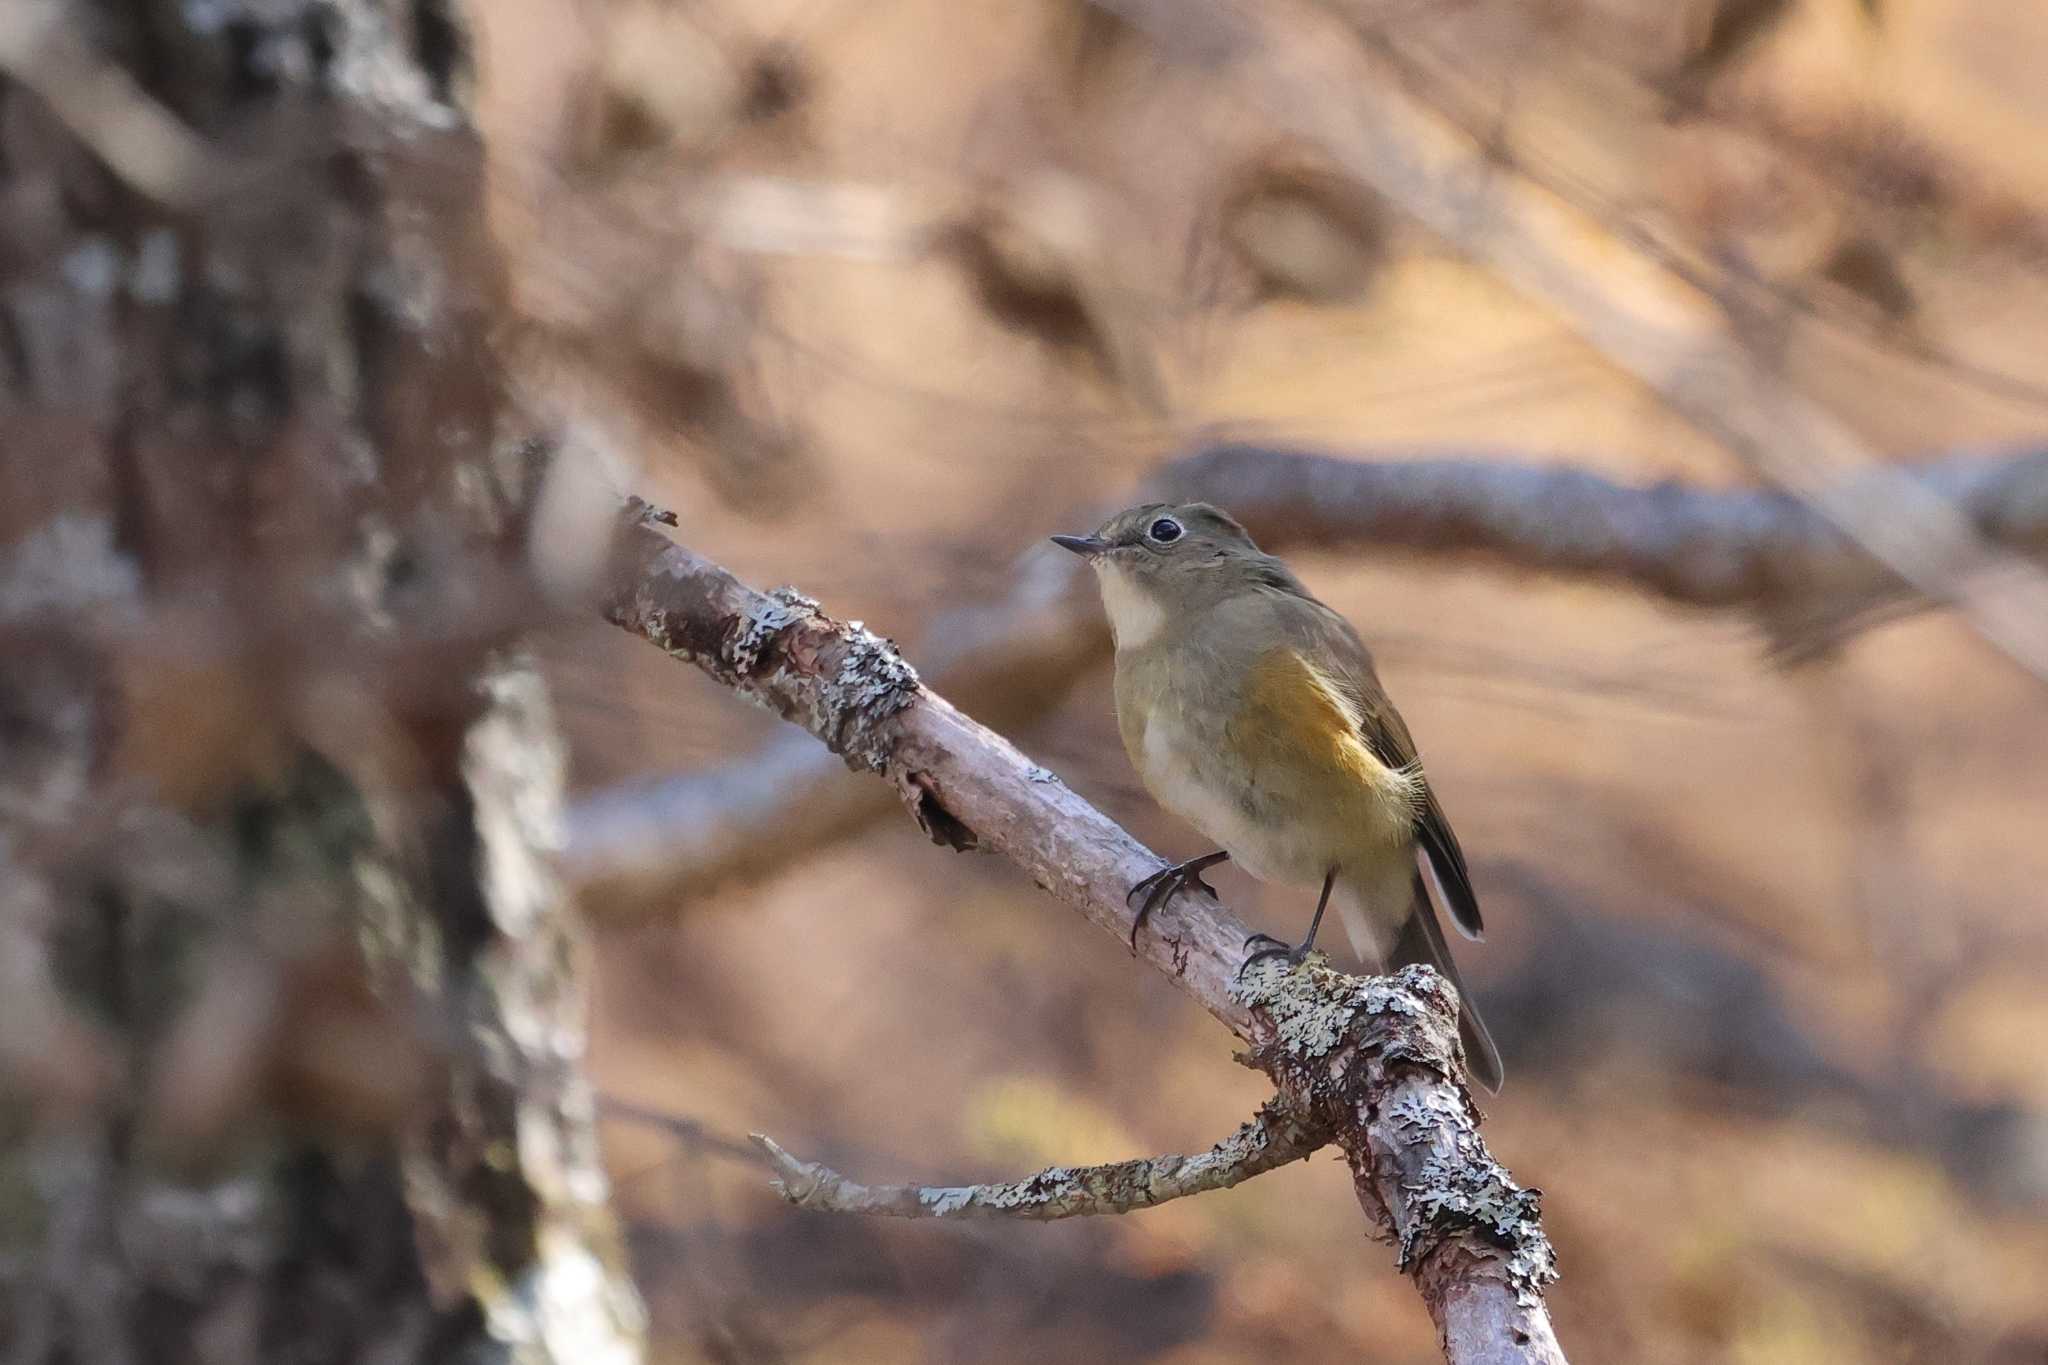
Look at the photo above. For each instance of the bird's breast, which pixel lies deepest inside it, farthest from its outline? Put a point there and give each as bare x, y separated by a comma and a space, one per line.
1203, 784
1271, 769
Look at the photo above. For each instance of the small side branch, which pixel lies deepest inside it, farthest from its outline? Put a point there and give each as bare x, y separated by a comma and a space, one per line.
1270, 1140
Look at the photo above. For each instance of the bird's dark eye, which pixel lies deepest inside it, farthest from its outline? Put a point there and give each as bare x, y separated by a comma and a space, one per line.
1164, 531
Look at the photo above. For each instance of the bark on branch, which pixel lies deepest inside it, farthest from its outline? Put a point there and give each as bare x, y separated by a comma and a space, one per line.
1764, 552
1375, 1063
1268, 1142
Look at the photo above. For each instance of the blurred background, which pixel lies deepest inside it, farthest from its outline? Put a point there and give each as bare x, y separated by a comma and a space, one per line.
880, 295
877, 296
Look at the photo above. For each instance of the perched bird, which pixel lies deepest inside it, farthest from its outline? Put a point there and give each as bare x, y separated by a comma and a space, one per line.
1252, 711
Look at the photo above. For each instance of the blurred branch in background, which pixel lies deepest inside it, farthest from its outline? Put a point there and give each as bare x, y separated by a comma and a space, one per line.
1648, 317
140, 140
1374, 1064
1769, 554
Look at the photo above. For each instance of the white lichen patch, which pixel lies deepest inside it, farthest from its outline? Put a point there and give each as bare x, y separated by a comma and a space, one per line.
872, 684
1312, 1008
946, 1200
765, 620
1466, 1190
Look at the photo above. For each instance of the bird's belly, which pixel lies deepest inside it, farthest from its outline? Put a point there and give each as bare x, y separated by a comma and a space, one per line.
1265, 843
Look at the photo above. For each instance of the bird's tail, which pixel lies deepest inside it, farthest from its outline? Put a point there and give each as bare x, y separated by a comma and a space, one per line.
1421, 939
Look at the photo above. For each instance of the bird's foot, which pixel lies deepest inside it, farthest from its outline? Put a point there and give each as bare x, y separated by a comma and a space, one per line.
1295, 953
1160, 886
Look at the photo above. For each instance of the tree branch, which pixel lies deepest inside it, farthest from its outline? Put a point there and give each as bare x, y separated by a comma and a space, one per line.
1375, 1063
1269, 1141
1764, 552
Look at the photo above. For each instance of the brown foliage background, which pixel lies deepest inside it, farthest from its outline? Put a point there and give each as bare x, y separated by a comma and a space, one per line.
1768, 957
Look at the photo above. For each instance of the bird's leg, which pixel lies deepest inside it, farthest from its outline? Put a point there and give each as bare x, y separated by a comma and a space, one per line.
1167, 880
1293, 953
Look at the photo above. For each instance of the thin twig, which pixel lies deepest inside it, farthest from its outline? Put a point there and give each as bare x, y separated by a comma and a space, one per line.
691, 1132
1266, 1143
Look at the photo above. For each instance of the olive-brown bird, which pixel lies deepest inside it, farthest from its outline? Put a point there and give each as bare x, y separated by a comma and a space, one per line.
1252, 711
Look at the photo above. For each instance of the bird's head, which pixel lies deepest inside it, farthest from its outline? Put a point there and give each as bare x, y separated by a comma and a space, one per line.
1158, 561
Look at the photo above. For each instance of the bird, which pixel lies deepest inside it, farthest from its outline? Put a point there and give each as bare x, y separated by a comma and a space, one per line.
1252, 711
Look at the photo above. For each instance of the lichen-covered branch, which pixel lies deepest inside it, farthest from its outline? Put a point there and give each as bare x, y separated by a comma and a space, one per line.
1374, 1063
1269, 1141
1763, 552
1007, 661
1367, 1058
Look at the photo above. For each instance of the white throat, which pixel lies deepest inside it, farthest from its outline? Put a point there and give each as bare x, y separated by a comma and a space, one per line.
1135, 615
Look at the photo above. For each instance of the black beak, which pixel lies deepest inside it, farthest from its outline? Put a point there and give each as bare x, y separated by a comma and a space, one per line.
1085, 546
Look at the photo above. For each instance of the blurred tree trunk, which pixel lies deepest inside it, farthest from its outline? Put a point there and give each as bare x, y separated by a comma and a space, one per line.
291, 1012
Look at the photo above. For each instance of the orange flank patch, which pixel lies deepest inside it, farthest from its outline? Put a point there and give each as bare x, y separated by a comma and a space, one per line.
1296, 719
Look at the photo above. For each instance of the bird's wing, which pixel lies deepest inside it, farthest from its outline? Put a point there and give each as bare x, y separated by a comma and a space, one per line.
1386, 734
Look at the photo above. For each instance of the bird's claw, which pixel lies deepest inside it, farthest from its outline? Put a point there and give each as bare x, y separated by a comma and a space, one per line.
1149, 886
1158, 888
1295, 953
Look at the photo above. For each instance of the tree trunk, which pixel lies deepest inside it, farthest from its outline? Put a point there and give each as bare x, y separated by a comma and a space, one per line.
290, 998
